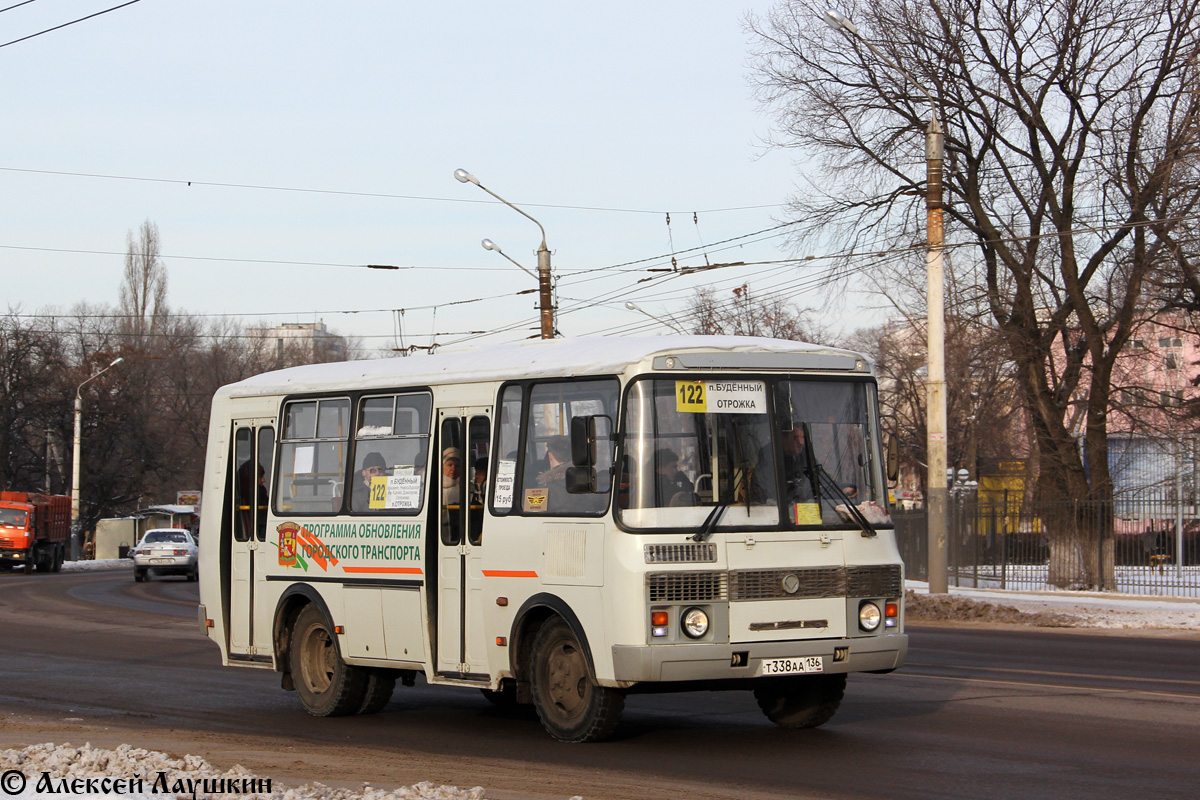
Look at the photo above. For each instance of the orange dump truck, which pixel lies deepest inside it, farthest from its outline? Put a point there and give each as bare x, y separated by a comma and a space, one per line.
34, 530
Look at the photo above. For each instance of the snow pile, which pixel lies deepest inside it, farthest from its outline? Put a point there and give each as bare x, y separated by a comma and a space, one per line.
187, 777
1060, 609
930, 607
98, 565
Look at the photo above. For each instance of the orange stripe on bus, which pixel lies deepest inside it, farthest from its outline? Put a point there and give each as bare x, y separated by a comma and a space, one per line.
404, 570
505, 573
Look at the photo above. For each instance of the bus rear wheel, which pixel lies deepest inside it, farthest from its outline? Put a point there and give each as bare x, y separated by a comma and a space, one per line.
378, 690
571, 706
803, 702
326, 685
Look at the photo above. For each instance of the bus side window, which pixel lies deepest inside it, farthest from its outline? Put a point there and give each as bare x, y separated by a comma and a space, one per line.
312, 456
551, 408
451, 481
391, 446
475, 476
245, 481
508, 431
266, 460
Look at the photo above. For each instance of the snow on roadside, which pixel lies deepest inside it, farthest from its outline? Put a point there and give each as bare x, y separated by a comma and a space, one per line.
162, 775
98, 565
1053, 609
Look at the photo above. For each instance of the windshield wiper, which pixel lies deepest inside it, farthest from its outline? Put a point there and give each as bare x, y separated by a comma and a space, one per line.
710, 522
851, 510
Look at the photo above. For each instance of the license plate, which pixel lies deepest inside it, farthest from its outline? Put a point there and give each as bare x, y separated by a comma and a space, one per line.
162, 560
791, 666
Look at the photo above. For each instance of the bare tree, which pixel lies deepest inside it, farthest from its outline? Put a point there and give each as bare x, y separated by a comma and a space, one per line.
1066, 123
32, 368
745, 314
143, 296
983, 408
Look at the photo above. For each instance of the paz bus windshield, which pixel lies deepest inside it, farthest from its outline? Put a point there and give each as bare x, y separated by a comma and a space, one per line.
748, 453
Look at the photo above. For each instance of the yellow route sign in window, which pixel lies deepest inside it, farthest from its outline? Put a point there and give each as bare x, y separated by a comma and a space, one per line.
721, 397
690, 397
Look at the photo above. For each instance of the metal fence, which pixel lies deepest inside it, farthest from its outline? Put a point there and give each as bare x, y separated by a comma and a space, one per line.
1152, 547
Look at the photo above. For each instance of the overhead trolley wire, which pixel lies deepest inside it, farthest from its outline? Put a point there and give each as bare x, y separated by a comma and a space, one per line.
17, 5
384, 195
65, 24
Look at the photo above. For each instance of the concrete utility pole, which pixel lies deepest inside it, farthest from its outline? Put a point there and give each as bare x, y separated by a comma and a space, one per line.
545, 295
935, 400
935, 388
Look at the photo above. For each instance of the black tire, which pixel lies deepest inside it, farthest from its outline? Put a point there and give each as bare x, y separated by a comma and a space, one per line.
380, 685
194, 575
43, 561
571, 706
801, 702
60, 555
139, 575
326, 685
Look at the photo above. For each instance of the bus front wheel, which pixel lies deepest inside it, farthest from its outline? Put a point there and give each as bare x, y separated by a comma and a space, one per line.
803, 702
571, 706
326, 685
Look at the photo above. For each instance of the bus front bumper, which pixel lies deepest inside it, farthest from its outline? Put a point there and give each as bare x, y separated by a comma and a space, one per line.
703, 662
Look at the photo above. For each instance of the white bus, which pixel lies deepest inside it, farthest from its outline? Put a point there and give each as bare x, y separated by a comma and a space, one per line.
559, 522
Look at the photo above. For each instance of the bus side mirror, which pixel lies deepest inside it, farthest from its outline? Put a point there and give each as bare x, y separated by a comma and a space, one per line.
587, 433
581, 480
591, 447
893, 458
583, 441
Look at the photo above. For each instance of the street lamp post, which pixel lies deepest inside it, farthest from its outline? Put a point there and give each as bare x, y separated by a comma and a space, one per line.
935, 390
635, 307
75, 459
488, 244
545, 301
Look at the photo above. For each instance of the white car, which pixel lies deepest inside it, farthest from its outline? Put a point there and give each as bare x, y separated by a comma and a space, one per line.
165, 551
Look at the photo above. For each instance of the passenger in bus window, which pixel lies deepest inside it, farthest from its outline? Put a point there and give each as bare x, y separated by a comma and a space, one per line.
674, 488
451, 476
373, 466
478, 480
797, 473
558, 456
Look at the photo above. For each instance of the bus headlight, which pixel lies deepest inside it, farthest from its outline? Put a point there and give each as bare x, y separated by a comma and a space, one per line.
695, 622
869, 616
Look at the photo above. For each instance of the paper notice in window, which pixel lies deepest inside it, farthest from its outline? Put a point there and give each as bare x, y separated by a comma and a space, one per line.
302, 463
505, 471
395, 492
535, 500
404, 492
806, 513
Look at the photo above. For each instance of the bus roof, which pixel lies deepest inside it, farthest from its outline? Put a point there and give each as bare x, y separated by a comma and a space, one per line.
538, 358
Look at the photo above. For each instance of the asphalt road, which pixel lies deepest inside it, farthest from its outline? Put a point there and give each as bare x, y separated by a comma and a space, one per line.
977, 713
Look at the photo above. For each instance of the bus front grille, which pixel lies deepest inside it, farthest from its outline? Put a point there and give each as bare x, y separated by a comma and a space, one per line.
687, 587
882, 580
813, 582
685, 553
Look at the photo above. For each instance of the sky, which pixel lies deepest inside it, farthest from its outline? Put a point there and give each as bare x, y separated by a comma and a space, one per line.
319, 137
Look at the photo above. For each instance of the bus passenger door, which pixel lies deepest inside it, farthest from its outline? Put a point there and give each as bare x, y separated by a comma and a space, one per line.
245, 550
465, 439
